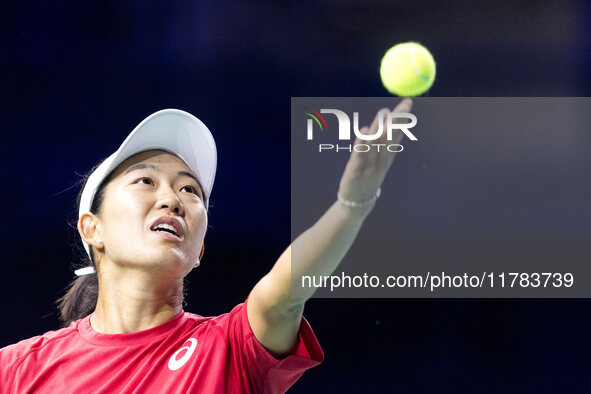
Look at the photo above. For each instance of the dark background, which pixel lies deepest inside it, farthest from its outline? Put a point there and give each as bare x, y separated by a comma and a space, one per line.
78, 76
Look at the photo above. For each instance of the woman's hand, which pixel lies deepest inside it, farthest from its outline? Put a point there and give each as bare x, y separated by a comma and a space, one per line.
365, 171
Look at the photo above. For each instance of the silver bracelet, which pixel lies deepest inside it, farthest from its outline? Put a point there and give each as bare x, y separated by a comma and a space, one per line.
355, 204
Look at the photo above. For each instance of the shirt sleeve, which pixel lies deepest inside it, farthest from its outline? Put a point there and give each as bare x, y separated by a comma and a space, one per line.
266, 373
11, 357
8, 359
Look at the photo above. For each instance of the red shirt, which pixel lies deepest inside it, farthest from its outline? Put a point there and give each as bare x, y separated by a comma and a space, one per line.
187, 354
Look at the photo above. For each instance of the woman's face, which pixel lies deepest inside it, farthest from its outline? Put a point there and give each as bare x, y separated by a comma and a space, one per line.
147, 188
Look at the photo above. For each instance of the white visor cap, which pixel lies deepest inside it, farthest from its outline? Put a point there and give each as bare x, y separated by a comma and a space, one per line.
172, 130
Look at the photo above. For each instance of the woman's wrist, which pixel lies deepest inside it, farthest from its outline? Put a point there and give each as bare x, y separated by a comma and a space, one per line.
357, 209
359, 204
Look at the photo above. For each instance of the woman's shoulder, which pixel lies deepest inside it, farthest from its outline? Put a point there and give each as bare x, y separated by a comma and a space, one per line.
12, 353
220, 321
236, 310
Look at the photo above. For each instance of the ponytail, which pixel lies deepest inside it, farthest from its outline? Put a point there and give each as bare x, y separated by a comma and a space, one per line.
80, 299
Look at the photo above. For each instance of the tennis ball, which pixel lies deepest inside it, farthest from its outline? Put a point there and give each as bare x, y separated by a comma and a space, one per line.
407, 69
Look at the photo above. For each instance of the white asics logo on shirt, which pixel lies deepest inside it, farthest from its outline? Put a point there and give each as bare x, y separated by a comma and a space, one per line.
173, 363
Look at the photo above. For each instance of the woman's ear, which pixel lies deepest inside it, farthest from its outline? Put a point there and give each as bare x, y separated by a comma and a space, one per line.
198, 262
89, 230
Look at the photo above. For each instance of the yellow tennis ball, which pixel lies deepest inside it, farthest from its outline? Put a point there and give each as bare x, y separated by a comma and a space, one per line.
407, 69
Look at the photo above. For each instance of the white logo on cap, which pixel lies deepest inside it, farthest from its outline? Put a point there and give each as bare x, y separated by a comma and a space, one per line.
174, 364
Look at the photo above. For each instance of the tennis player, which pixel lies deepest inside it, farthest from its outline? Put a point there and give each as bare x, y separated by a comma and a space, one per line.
142, 220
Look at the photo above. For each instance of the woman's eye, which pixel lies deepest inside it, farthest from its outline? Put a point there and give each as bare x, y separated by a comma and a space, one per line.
191, 190
145, 179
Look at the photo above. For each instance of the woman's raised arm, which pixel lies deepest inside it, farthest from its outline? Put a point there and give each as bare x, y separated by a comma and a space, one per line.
273, 314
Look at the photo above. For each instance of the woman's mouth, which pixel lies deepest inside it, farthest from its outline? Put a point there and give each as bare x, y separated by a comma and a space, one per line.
167, 235
169, 227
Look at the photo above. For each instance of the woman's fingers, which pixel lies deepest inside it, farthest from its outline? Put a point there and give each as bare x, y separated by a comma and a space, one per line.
385, 159
366, 168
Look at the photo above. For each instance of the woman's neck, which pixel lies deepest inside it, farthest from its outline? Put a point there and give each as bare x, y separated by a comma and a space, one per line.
131, 302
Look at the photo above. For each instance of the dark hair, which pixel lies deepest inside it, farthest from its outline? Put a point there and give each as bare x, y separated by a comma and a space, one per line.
82, 293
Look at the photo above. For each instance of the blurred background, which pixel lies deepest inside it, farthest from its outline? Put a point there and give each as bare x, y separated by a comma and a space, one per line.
77, 77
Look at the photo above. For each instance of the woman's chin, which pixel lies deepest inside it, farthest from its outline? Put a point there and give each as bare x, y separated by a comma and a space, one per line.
169, 261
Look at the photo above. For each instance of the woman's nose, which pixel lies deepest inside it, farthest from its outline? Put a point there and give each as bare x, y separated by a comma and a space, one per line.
170, 200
